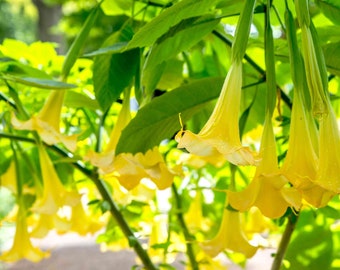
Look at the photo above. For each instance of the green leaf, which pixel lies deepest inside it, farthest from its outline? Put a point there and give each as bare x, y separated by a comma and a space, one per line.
332, 57
78, 100
113, 73
172, 43
13, 67
173, 15
176, 40
115, 48
40, 83
159, 119
78, 43
331, 9
311, 249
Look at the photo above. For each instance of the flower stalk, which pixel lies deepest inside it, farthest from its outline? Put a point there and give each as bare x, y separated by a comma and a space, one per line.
287, 234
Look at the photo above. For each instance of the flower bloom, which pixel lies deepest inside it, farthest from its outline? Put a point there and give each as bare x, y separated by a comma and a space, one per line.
301, 162
22, 247
229, 237
220, 135
104, 160
130, 169
47, 121
329, 153
54, 194
46, 223
269, 189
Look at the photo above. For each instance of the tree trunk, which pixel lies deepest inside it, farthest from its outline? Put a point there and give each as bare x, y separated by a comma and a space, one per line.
49, 16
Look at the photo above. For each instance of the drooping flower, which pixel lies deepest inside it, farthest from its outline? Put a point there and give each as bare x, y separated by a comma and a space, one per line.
301, 162
22, 247
269, 190
47, 122
104, 159
55, 194
194, 217
220, 135
229, 237
130, 169
45, 223
329, 153
83, 223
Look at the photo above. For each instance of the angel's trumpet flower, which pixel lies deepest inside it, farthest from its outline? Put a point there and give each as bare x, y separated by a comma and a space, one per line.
55, 195
269, 190
47, 122
220, 135
229, 237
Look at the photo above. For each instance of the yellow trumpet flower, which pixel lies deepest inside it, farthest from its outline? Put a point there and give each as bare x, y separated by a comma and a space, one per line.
269, 189
301, 162
83, 223
130, 169
54, 194
22, 247
220, 135
329, 153
104, 160
230, 237
46, 223
47, 121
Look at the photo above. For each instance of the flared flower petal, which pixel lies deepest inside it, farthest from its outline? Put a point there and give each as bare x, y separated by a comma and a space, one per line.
130, 169
229, 237
329, 156
55, 194
47, 121
220, 135
22, 247
269, 189
301, 162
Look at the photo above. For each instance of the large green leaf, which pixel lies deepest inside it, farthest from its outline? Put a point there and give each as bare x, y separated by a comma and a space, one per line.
331, 8
113, 73
332, 57
13, 67
159, 119
173, 15
172, 43
37, 82
79, 100
78, 43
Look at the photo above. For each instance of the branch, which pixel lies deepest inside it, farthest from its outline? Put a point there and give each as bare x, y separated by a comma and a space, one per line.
292, 220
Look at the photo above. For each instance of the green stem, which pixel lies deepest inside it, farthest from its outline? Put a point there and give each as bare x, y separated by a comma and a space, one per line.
287, 234
188, 237
114, 210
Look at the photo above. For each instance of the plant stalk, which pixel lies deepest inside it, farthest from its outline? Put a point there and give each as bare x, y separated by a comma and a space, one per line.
287, 234
188, 237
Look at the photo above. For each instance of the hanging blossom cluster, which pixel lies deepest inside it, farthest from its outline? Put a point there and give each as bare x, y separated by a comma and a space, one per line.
309, 174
